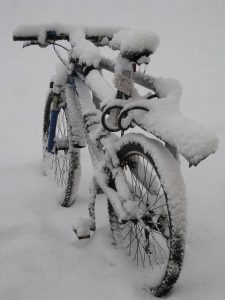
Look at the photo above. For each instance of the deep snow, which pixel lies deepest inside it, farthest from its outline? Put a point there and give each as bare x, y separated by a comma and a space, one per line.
40, 255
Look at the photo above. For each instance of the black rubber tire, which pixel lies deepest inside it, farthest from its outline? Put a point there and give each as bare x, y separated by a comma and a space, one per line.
173, 235
64, 163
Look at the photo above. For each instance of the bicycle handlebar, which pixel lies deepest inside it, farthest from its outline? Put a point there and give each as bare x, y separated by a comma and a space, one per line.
99, 40
50, 35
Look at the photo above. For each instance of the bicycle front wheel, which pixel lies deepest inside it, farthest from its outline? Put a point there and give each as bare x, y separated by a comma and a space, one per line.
155, 240
63, 161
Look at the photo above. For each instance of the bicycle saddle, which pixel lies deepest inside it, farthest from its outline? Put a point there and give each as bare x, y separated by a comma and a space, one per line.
134, 45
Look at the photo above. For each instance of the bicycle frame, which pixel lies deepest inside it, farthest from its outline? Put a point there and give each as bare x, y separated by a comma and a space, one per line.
106, 172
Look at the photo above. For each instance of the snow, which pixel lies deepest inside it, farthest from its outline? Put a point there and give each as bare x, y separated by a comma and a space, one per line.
128, 40
101, 88
85, 97
165, 121
41, 258
60, 78
84, 50
76, 120
82, 228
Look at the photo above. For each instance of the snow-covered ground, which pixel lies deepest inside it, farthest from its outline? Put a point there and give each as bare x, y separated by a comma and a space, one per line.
40, 256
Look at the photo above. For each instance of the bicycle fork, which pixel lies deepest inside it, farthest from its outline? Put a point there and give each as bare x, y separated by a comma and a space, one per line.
53, 122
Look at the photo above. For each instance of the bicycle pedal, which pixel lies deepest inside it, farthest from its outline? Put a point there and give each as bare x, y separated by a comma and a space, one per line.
82, 229
81, 236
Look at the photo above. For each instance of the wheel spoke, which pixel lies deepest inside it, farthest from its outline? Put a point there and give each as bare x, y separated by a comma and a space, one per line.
60, 159
143, 238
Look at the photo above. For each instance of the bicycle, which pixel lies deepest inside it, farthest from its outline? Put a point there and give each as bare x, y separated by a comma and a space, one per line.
139, 175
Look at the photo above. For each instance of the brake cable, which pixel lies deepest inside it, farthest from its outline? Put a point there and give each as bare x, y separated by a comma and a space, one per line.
58, 54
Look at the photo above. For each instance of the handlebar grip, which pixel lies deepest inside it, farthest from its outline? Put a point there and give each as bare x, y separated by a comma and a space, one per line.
25, 38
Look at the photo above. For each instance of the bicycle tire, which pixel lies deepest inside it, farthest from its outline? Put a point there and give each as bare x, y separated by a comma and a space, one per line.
160, 231
63, 163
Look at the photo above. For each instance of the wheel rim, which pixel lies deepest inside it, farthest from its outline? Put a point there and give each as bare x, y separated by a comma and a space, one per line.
58, 162
147, 239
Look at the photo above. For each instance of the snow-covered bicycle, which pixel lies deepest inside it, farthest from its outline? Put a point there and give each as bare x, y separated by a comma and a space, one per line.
140, 175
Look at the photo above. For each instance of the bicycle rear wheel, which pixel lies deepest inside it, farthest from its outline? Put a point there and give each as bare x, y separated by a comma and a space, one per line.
63, 162
156, 239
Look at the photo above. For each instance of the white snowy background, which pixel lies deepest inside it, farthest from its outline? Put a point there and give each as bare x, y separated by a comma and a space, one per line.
40, 257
